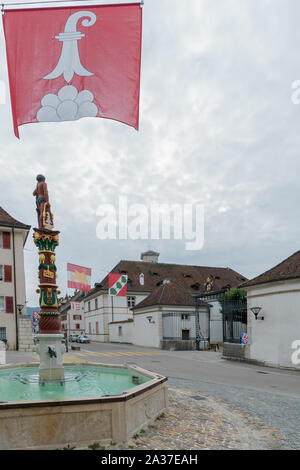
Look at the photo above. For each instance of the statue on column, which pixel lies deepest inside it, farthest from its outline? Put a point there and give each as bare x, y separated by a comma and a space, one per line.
43, 208
46, 239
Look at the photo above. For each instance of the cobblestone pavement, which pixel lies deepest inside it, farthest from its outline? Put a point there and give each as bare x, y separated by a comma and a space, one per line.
279, 411
200, 422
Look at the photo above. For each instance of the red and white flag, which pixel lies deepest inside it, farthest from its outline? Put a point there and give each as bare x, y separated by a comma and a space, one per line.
72, 62
75, 306
79, 277
117, 284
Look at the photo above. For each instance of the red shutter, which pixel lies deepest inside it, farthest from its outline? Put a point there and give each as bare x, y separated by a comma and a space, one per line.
9, 304
7, 273
6, 240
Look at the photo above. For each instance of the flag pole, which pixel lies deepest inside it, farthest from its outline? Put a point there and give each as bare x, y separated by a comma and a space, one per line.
112, 308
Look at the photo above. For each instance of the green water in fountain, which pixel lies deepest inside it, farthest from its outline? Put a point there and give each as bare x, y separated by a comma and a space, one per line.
22, 383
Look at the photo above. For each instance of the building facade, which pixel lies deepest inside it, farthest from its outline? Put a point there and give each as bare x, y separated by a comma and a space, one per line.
13, 236
116, 319
71, 310
274, 336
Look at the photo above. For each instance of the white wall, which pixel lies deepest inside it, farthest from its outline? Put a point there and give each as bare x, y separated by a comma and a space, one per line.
270, 340
7, 320
108, 311
216, 322
125, 337
145, 333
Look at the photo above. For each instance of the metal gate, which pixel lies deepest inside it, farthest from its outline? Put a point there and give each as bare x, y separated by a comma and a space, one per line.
234, 320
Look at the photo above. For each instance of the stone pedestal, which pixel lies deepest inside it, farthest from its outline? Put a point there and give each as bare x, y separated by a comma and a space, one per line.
50, 349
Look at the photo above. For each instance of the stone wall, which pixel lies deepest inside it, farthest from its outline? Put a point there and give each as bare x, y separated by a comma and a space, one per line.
235, 351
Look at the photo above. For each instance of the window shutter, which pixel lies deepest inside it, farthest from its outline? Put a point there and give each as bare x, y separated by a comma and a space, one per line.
6, 240
7, 273
9, 304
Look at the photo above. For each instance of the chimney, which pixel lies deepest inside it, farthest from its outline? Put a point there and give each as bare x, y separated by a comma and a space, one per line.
150, 256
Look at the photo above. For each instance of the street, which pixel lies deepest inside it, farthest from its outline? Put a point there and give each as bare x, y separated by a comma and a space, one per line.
273, 395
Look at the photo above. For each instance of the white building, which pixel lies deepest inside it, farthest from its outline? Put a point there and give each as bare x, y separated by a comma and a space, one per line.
72, 314
13, 236
111, 318
167, 319
273, 336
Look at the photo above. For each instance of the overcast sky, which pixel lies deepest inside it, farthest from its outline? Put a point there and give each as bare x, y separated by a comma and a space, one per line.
217, 127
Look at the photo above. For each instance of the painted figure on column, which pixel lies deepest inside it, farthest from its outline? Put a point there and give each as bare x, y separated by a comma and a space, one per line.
49, 345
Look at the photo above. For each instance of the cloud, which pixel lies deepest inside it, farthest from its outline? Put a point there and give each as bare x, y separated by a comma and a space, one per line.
67, 105
217, 127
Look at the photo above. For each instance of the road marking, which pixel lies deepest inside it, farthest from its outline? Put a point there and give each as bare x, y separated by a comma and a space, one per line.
120, 353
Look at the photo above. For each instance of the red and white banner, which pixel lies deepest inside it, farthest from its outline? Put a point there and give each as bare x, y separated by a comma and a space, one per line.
79, 277
72, 62
75, 306
117, 284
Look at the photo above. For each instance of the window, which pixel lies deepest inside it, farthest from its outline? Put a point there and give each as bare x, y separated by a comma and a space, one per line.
97, 328
7, 273
1, 272
9, 304
2, 333
120, 331
142, 279
89, 306
96, 304
6, 240
185, 334
77, 326
185, 316
130, 301
2, 303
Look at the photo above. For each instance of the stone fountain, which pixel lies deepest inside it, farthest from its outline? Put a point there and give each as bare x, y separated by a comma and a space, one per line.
52, 406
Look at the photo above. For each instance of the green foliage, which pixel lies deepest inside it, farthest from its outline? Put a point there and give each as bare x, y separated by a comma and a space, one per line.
236, 294
95, 446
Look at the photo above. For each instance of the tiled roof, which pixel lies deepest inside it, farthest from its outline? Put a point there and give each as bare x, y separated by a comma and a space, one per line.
8, 221
191, 278
287, 269
169, 293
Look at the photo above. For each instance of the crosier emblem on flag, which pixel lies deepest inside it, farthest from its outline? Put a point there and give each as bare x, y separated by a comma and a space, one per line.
117, 284
68, 63
79, 277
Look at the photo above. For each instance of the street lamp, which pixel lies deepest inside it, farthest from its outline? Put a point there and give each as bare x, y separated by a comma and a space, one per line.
255, 311
20, 308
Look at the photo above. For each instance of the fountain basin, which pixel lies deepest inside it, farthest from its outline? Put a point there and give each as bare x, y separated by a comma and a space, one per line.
91, 411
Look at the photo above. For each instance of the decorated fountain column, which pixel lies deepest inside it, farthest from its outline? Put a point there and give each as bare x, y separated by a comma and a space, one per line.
49, 338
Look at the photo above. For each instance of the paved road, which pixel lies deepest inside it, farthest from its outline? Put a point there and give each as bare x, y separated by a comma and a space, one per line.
271, 394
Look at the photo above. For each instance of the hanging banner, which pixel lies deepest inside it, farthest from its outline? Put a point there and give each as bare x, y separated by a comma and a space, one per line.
72, 62
79, 277
75, 306
117, 284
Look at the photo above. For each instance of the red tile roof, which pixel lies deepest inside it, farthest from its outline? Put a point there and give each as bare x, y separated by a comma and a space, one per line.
287, 269
169, 293
191, 278
7, 220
